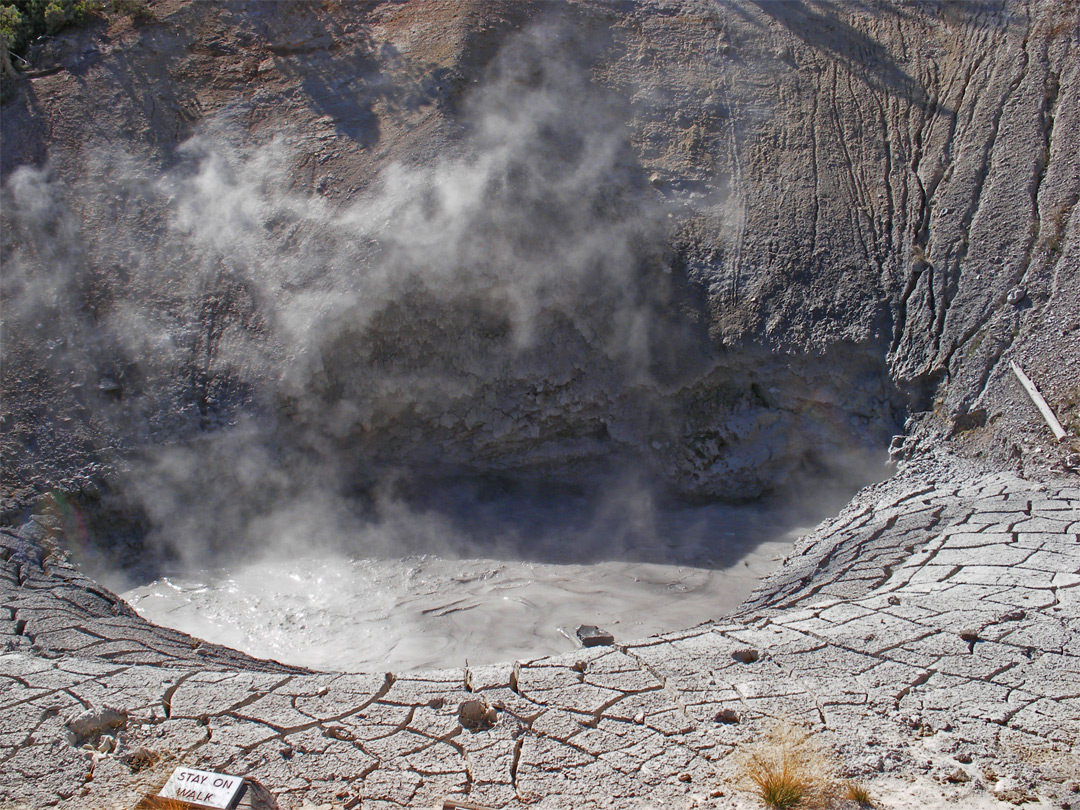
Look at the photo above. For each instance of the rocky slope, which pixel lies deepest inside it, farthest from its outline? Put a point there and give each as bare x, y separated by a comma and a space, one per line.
728, 243
325, 252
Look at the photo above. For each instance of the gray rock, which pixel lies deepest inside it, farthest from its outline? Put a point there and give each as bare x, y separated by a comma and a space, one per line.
90, 724
477, 715
746, 655
727, 716
592, 636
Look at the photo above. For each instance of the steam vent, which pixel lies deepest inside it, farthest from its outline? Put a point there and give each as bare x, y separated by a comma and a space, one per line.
562, 404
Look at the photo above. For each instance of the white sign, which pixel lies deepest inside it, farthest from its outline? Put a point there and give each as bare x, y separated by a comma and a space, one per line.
202, 787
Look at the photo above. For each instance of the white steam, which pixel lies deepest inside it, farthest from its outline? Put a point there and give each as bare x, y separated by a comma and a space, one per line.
275, 368
260, 367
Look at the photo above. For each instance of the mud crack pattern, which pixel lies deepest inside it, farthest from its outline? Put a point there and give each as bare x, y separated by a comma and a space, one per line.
927, 612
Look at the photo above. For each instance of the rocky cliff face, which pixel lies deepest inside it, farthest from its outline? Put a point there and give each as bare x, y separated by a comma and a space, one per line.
726, 245
257, 255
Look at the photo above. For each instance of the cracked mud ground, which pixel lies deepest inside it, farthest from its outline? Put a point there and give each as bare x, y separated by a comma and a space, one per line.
927, 636
896, 174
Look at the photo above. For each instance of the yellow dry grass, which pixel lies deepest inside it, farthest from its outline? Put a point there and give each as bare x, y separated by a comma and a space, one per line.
161, 803
857, 793
788, 769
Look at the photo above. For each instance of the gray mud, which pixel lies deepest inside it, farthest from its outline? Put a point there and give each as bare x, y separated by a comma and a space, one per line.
335, 612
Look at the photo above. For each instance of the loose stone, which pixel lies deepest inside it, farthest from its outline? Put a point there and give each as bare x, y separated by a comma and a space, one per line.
746, 655
727, 716
959, 776
592, 636
477, 715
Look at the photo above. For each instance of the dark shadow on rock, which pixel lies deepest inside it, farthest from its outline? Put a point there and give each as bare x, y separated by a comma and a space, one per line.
22, 129
344, 72
819, 26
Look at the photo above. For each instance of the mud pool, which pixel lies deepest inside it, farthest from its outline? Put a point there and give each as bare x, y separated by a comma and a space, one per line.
355, 613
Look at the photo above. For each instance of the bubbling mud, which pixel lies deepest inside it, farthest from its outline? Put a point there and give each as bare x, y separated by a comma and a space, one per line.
351, 613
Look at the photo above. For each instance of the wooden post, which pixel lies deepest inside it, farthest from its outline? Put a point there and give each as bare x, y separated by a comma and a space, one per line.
1040, 403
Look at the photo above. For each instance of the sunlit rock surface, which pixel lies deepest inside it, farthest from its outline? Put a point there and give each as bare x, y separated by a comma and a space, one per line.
930, 626
280, 265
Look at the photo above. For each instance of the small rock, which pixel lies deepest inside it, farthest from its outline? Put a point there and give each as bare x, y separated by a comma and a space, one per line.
1016, 295
592, 636
639, 718
963, 757
139, 759
746, 655
685, 777
957, 777
257, 797
911, 720
894, 600
871, 764
716, 794
969, 635
896, 447
477, 715
727, 716
89, 724
1072, 461
1016, 795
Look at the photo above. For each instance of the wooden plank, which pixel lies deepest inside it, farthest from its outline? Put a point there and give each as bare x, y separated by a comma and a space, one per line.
1040, 403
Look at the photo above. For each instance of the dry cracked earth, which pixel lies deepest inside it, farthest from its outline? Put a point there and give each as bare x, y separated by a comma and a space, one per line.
926, 637
874, 211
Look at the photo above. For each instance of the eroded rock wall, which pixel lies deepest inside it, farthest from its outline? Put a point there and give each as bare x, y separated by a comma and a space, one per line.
726, 244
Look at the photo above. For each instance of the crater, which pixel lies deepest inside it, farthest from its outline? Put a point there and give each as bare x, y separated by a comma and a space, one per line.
508, 576
401, 338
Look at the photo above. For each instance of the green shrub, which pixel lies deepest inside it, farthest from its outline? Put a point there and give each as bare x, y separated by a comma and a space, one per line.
57, 17
136, 9
12, 33
23, 21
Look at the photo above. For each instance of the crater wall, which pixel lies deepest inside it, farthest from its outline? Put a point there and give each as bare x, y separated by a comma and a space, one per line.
732, 244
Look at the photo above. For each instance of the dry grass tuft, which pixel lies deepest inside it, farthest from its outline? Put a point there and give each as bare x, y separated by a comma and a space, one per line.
779, 785
857, 793
788, 769
160, 803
